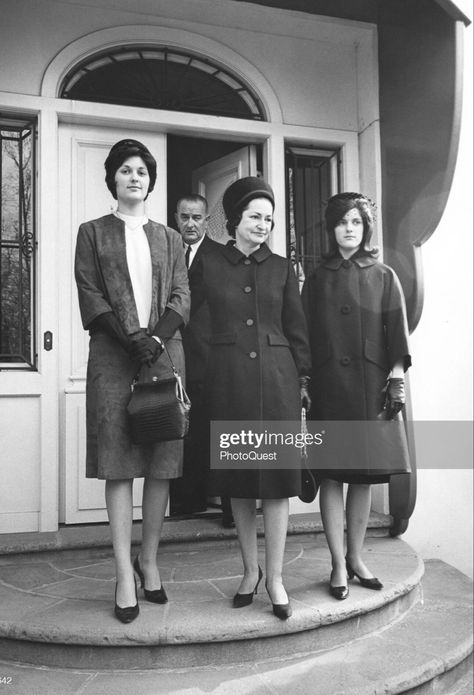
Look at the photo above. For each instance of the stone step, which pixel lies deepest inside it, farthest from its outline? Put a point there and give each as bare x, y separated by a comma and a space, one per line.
427, 651
57, 608
200, 527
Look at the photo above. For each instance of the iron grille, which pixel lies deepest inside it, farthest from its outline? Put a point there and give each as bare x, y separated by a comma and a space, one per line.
17, 245
313, 176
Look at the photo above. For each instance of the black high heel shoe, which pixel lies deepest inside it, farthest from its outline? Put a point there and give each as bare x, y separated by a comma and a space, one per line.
129, 613
367, 583
280, 610
152, 595
241, 600
339, 592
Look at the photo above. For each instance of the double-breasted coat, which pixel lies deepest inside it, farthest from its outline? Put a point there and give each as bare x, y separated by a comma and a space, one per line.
259, 347
358, 331
104, 285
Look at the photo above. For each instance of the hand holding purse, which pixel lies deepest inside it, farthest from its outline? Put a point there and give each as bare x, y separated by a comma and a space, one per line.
158, 408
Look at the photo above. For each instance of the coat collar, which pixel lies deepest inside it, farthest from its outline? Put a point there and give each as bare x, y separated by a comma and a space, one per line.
235, 256
337, 261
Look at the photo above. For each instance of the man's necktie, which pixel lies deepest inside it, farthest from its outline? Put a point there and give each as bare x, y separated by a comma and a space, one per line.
187, 254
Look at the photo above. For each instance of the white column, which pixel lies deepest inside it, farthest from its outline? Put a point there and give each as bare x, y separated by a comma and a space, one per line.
274, 172
48, 290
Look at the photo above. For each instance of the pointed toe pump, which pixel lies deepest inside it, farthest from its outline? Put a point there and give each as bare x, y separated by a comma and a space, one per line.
152, 595
367, 583
339, 592
280, 610
241, 600
129, 613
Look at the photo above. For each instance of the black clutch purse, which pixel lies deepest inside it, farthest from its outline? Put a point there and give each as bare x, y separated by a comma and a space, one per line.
158, 408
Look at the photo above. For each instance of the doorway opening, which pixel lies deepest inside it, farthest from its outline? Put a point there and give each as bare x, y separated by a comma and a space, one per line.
206, 167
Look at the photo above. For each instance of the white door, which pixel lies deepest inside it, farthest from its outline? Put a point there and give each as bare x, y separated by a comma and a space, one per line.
28, 398
212, 179
84, 196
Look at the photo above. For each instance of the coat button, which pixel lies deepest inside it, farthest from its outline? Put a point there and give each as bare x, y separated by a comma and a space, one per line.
346, 309
247, 261
345, 360
346, 264
252, 355
249, 322
247, 289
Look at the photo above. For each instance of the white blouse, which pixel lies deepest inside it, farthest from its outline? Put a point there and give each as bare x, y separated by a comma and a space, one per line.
139, 264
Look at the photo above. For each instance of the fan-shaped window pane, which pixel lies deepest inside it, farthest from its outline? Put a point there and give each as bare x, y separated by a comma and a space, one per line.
162, 79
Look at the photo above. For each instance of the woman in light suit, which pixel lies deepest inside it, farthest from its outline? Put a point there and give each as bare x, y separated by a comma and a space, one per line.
133, 296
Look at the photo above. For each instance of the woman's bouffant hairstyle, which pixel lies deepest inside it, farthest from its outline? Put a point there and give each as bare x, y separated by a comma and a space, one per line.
238, 196
120, 152
338, 206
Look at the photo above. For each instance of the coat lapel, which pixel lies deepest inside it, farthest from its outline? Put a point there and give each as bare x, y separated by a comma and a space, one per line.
119, 282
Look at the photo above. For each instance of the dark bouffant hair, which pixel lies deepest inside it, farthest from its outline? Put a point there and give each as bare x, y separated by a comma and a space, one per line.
120, 152
338, 206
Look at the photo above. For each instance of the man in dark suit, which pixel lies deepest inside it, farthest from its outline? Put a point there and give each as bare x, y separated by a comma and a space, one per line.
190, 491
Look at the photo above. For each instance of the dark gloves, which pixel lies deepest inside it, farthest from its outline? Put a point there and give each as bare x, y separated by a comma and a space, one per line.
394, 397
168, 324
139, 345
304, 393
109, 323
144, 348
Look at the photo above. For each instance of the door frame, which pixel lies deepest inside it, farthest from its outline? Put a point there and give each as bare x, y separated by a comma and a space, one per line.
83, 196
53, 112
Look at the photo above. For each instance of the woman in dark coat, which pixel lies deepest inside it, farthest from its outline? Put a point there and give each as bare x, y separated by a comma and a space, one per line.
258, 367
357, 323
134, 296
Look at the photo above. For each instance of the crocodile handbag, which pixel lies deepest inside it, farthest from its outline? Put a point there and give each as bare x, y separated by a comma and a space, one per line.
158, 408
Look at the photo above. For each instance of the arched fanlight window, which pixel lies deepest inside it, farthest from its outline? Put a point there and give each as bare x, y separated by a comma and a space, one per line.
161, 78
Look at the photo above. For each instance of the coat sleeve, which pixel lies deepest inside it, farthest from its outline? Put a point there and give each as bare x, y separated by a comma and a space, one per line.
395, 320
180, 298
294, 323
92, 295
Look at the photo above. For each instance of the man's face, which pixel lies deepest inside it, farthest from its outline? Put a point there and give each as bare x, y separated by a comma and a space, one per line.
192, 219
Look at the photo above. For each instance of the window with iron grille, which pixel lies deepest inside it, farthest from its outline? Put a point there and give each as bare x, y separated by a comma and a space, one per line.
17, 245
313, 176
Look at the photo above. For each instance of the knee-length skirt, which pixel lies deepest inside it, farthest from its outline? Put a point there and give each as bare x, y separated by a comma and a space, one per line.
111, 454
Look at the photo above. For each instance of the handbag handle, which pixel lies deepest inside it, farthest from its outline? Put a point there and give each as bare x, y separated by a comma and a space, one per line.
176, 374
182, 396
304, 431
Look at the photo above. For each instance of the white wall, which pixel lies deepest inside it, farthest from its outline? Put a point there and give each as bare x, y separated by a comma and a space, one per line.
310, 62
441, 376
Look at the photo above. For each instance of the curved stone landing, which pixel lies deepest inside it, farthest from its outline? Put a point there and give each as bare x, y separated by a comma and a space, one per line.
57, 607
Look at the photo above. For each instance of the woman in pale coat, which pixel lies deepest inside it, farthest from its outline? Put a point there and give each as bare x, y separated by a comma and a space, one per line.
133, 295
